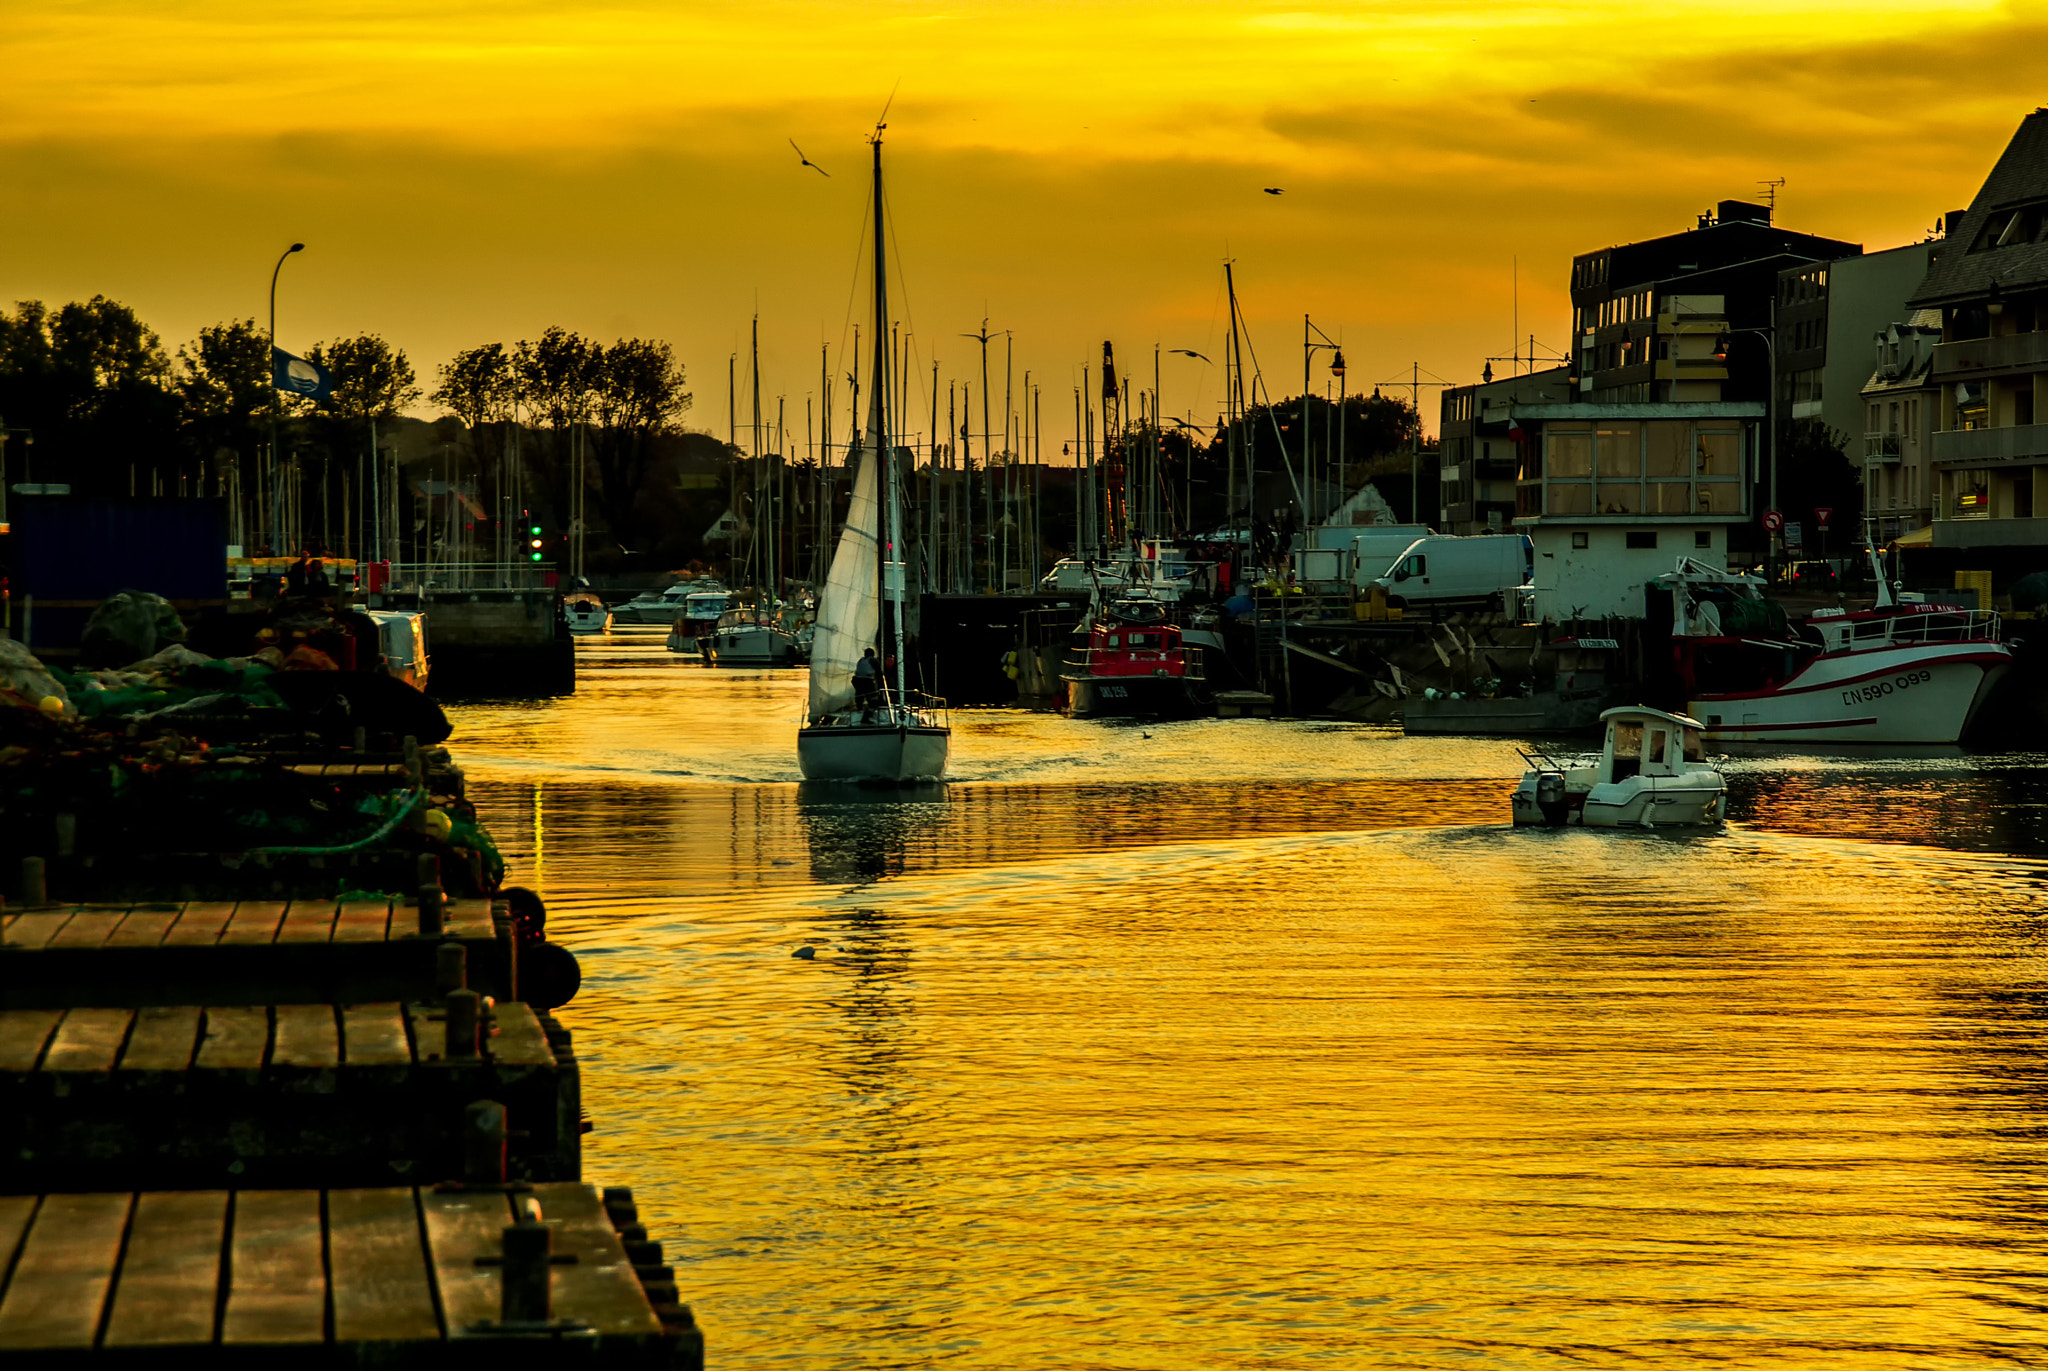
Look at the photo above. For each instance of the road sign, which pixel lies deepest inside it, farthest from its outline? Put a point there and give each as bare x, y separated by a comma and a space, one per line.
1794, 538
1773, 521
1821, 516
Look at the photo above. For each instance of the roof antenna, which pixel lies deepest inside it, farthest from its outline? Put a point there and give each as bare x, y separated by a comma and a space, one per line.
1771, 193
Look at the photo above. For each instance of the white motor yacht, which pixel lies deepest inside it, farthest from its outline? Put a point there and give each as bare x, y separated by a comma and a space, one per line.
586, 614
1652, 773
699, 615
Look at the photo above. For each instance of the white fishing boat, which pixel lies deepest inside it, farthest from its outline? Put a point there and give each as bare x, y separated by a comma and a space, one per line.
1653, 773
1894, 673
586, 614
886, 736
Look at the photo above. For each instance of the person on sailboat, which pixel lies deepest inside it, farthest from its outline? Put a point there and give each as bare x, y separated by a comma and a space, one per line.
867, 675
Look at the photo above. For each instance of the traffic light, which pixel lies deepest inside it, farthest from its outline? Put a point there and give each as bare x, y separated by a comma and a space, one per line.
533, 532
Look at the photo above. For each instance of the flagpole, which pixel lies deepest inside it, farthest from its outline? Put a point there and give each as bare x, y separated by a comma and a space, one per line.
274, 402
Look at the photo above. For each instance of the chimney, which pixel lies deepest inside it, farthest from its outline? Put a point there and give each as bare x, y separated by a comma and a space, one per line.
1742, 211
1952, 222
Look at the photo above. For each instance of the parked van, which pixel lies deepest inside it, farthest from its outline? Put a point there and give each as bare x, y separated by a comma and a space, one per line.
1373, 552
1486, 570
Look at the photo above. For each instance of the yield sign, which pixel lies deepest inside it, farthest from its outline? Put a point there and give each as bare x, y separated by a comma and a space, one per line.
1821, 516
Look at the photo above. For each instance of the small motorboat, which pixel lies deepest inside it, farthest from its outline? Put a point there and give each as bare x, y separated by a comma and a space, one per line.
1653, 773
586, 614
698, 619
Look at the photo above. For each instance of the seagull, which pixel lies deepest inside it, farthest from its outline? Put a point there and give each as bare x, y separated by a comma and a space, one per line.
1190, 352
1274, 190
807, 161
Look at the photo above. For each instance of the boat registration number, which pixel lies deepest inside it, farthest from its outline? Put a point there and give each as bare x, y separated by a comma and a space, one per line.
1877, 690
1114, 692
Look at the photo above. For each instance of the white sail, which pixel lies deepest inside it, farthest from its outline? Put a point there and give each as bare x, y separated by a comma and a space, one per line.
849, 609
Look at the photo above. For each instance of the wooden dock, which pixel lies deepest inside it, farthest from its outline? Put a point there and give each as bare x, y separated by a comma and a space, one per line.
383, 1277
293, 951
184, 1096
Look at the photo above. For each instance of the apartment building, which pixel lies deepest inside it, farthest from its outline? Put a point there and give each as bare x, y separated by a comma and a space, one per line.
1989, 287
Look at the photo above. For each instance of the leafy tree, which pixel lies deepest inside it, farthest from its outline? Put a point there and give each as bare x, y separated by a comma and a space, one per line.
638, 397
372, 379
477, 385
224, 392
1814, 472
91, 380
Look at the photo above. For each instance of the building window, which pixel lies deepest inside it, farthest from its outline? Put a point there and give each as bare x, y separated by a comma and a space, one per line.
1581, 541
1642, 542
1569, 454
1703, 539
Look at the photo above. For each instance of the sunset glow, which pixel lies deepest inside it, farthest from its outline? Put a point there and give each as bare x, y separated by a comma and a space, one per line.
472, 171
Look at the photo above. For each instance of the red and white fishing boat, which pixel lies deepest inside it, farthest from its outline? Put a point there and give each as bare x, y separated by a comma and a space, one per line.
1894, 673
1135, 662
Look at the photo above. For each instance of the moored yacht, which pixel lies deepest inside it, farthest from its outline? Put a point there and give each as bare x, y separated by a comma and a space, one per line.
702, 608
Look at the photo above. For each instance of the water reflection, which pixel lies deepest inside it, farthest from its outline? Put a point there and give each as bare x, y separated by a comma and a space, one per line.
1273, 1045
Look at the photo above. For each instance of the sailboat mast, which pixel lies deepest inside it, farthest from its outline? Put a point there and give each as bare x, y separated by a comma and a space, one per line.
878, 432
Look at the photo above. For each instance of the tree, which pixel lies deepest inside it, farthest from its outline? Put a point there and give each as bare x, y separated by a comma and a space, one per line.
555, 379
91, 380
638, 397
1814, 472
224, 392
477, 385
372, 379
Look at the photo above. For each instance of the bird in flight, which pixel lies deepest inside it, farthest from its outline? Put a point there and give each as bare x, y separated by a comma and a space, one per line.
807, 161
1190, 352
1275, 190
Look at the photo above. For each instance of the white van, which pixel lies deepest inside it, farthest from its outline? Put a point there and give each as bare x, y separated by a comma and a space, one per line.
1372, 553
1482, 570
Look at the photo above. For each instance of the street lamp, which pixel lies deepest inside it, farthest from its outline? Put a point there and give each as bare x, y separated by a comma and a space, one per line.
274, 402
1769, 335
1309, 347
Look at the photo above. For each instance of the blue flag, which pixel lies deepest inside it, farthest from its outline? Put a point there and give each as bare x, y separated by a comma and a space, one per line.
297, 376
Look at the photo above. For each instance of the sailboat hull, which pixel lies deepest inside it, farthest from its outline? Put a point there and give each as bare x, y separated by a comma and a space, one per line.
885, 753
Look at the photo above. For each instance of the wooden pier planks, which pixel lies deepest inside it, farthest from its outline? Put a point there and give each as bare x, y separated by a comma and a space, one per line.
384, 1276
170, 1275
244, 952
22, 1035
236, 1039
60, 1282
88, 1040
278, 1290
382, 1292
461, 1228
600, 1283
164, 1039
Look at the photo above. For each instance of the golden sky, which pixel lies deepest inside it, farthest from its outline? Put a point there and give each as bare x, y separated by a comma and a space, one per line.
467, 171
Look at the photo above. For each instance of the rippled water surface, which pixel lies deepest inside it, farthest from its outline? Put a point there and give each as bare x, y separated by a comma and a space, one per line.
1266, 1043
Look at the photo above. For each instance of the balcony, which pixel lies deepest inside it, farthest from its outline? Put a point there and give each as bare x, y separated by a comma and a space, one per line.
1991, 446
1881, 448
1980, 356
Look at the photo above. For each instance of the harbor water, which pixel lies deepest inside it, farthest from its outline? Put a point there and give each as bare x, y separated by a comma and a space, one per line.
1270, 1043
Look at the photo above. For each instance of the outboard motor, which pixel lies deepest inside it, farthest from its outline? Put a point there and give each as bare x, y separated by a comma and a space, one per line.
1550, 798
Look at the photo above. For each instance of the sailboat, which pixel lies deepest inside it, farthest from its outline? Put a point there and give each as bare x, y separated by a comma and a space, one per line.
888, 736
